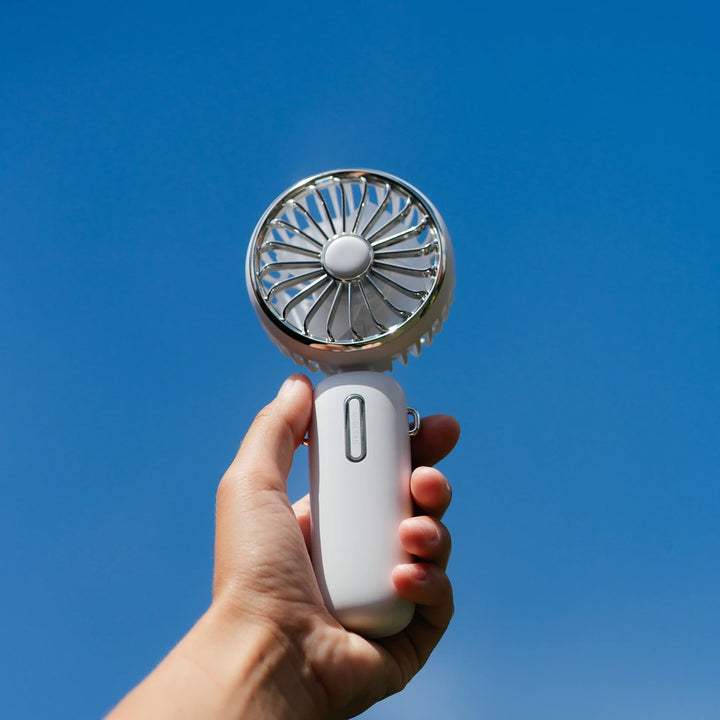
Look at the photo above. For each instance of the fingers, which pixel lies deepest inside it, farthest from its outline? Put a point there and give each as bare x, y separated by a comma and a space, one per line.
425, 582
437, 437
429, 588
431, 492
426, 538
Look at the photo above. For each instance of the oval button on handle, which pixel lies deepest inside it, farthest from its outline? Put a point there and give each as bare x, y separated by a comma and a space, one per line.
355, 430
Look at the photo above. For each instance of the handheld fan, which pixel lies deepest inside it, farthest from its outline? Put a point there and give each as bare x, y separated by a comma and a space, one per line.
349, 271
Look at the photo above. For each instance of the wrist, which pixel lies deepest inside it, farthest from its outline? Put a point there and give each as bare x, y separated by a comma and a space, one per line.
228, 667
258, 670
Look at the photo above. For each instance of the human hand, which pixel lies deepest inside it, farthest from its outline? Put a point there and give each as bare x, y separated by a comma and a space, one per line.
264, 573
267, 647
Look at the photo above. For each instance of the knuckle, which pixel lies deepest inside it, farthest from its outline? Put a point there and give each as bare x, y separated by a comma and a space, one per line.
264, 414
224, 489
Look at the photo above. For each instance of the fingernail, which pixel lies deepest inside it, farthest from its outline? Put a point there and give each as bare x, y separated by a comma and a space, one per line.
288, 385
433, 536
420, 572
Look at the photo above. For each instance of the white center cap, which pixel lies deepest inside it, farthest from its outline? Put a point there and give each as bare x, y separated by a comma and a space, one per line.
347, 256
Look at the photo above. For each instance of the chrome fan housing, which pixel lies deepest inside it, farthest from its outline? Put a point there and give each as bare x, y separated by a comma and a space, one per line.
350, 269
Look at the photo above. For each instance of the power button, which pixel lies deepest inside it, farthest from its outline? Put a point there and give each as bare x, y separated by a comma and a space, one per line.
355, 430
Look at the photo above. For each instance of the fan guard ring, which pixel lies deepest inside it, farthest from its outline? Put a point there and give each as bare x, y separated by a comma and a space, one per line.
350, 261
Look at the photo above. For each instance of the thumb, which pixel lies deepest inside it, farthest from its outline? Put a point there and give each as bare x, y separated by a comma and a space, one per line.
253, 513
264, 459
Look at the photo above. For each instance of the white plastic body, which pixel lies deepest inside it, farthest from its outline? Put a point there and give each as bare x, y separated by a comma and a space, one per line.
359, 494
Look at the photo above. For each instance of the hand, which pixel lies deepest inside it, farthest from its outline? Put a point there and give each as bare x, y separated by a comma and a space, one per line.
267, 647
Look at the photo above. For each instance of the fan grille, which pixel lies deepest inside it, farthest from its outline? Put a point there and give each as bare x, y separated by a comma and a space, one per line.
304, 292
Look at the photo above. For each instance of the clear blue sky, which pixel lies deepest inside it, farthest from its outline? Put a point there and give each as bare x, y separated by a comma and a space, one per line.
573, 152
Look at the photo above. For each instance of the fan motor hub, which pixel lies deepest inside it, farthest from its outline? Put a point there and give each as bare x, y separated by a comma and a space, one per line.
347, 256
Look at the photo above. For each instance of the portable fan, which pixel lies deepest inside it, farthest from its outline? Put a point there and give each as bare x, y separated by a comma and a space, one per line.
349, 271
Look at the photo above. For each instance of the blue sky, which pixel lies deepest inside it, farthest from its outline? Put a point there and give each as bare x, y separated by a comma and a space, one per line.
573, 152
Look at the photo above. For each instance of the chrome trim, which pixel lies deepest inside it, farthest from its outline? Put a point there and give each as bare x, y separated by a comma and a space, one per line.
414, 428
349, 440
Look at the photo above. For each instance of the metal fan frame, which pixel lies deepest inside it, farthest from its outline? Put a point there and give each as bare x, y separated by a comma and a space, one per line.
377, 352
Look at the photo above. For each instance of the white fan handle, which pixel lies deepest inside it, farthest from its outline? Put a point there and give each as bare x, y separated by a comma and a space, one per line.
359, 450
